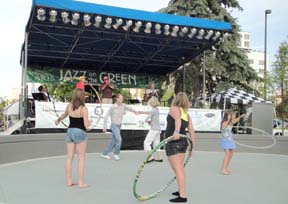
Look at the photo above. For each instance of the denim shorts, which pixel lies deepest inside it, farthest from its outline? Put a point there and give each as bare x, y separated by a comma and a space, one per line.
176, 147
76, 135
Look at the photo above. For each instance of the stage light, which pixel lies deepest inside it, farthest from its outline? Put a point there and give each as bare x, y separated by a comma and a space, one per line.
200, 34
192, 33
166, 30
137, 26
53, 14
65, 17
41, 14
216, 36
118, 23
148, 27
108, 23
158, 29
98, 20
86, 20
209, 34
175, 31
75, 19
183, 31
225, 36
128, 25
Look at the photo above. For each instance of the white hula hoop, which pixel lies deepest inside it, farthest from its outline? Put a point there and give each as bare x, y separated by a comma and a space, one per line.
255, 147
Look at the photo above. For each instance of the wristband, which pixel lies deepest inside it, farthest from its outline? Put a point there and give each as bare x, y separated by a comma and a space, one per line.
177, 131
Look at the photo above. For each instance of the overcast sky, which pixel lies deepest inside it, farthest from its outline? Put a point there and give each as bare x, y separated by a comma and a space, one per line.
15, 13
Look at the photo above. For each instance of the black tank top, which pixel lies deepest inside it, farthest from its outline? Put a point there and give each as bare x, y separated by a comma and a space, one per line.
77, 123
170, 128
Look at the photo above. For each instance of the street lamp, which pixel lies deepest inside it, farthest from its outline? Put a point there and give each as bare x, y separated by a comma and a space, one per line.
265, 54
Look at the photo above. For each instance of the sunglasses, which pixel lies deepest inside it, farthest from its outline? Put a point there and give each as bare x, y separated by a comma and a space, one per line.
106, 79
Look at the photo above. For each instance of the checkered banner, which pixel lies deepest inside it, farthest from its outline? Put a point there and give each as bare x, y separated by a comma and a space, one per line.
236, 96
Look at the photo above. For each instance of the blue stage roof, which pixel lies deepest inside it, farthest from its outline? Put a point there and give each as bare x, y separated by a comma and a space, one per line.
115, 39
82, 6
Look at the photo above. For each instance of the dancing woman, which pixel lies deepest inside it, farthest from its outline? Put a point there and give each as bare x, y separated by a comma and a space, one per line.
178, 120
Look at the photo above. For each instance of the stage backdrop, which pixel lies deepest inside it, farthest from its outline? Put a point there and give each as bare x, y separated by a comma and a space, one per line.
207, 120
122, 80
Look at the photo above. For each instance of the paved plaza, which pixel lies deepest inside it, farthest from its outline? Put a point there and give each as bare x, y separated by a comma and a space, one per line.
256, 178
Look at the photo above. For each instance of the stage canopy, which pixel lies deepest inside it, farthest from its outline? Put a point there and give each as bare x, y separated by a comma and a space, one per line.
81, 35
236, 96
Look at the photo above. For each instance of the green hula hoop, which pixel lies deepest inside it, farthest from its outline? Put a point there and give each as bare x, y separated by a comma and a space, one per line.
139, 172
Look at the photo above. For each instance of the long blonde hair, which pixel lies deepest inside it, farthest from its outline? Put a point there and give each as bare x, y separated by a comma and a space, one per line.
181, 100
78, 99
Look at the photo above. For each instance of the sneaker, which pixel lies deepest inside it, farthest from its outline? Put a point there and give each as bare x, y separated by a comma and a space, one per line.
105, 156
116, 157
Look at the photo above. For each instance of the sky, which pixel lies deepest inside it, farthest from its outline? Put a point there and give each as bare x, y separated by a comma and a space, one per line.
15, 13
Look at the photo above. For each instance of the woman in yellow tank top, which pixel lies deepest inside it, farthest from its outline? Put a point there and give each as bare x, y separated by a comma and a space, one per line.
178, 120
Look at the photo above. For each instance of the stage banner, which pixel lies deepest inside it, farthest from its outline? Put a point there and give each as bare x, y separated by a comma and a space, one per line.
207, 120
121, 80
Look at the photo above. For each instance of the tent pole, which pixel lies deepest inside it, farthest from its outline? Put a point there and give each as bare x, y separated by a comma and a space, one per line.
184, 82
204, 79
23, 106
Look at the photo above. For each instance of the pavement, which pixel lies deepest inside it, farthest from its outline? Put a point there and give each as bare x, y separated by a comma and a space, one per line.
259, 176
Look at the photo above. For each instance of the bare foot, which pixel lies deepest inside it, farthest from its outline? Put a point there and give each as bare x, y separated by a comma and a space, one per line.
70, 184
229, 170
225, 172
83, 185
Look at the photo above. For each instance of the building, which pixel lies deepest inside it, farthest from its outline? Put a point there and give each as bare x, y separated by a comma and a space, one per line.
256, 58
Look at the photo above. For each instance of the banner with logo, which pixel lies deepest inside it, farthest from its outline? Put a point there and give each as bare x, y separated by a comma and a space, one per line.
47, 112
122, 80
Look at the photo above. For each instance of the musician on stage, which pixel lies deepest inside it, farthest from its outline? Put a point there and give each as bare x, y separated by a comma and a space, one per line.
107, 88
150, 92
81, 83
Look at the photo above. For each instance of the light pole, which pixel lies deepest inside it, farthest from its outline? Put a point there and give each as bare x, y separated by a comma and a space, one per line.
265, 54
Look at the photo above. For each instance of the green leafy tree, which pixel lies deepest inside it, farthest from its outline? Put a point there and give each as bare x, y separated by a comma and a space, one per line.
62, 91
280, 75
3, 104
225, 62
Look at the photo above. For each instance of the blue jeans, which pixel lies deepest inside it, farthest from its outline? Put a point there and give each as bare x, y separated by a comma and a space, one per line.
116, 140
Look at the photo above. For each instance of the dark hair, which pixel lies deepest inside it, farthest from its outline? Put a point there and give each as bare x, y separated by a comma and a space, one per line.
104, 75
40, 88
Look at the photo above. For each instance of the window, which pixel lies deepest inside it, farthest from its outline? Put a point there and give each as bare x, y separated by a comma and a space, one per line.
261, 71
261, 62
246, 44
251, 61
246, 36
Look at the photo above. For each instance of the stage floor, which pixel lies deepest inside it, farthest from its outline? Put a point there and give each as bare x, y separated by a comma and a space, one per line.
256, 178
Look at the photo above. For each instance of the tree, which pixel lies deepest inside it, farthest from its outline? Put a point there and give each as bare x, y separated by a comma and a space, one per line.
225, 62
280, 75
3, 105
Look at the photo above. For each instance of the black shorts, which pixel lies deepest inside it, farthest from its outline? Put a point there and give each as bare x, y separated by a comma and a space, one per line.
176, 147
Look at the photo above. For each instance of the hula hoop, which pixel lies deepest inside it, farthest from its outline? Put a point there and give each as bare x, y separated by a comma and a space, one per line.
139, 172
255, 147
